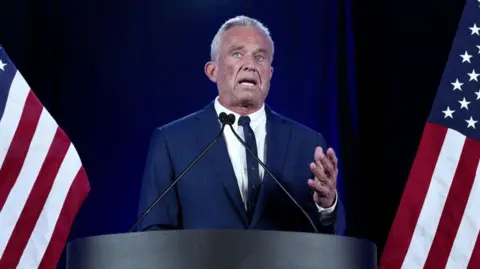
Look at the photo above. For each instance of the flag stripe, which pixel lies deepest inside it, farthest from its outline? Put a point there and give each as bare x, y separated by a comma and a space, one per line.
440, 184
454, 205
474, 262
17, 151
35, 249
75, 197
18, 195
469, 227
414, 195
35, 201
12, 113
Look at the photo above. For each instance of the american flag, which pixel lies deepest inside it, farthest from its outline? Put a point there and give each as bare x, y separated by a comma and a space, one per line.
438, 219
42, 180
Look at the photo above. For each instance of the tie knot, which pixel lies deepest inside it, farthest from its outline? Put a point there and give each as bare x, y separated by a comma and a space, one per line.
244, 121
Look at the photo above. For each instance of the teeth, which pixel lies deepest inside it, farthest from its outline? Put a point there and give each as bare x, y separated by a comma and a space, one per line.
247, 83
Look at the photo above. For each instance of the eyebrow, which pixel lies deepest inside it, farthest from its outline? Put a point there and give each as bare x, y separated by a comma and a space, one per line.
234, 48
241, 47
262, 50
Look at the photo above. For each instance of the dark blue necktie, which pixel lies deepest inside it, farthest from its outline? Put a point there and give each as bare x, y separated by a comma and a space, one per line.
252, 165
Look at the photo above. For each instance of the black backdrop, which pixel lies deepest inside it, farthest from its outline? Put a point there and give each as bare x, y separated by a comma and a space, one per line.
362, 73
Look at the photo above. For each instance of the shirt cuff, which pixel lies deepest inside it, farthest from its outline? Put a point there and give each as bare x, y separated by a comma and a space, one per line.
329, 210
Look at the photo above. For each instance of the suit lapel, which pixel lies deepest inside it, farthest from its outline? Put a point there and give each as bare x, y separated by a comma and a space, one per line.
278, 136
207, 128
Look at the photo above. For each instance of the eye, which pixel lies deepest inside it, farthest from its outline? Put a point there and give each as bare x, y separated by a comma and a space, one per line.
236, 54
260, 58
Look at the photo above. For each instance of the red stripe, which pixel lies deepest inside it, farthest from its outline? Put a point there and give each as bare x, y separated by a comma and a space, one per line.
36, 200
76, 195
454, 205
18, 149
474, 262
413, 196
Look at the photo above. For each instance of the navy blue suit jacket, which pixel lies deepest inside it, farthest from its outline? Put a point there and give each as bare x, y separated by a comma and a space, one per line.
208, 197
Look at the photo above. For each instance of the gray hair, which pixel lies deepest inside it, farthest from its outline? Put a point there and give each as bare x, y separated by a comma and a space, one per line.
237, 21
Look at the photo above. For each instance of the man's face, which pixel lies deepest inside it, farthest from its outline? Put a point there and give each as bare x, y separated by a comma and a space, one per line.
243, 69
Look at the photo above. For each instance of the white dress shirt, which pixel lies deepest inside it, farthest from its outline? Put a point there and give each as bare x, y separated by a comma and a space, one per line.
236, 151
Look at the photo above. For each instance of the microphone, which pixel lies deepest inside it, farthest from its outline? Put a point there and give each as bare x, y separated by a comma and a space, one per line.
224, 119
231, 120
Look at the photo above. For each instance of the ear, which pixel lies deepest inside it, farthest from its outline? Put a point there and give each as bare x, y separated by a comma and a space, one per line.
271, 72
211, 70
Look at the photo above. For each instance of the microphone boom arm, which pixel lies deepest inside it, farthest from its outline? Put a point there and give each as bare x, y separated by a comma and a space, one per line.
274, 178
222, 118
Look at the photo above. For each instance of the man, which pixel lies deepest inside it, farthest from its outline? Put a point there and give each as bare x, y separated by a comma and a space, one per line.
227, 188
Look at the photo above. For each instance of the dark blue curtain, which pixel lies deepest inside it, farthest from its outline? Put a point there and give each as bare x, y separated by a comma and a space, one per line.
112, 71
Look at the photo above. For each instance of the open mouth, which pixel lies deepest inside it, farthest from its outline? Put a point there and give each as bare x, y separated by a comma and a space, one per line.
248, 82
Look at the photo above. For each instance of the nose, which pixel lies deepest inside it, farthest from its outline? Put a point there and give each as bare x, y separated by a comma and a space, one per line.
249, 65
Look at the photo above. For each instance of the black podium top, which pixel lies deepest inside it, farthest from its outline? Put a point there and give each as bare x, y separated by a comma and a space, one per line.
222, 249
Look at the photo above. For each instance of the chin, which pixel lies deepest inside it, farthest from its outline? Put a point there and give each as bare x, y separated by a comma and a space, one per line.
247, 95
249, 101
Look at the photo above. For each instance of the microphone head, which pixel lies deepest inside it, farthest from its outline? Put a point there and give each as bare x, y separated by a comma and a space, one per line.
224, 119
231, 119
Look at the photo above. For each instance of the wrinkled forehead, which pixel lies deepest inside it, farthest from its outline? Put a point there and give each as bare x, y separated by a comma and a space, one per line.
248, 38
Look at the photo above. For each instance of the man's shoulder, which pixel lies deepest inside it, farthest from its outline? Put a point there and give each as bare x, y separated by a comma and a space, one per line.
178, 126
296, 126
187, 123
300, 131
181, 123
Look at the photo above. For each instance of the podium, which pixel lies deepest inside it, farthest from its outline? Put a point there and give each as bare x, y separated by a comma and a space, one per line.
222, 249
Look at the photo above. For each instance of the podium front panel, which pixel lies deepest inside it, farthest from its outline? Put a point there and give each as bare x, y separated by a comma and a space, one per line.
222, 249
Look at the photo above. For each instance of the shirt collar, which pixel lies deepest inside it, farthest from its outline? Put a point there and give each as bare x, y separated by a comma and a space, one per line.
255, 117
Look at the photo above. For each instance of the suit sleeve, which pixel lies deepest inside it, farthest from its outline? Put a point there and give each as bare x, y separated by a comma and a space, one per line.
331, 220
158, 175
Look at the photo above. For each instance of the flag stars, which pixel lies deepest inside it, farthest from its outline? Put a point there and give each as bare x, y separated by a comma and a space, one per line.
478, 47
464, 103
478, 94
2, 65
457, 85
448, 113
473, 75
466, 57
475, 29
471, 123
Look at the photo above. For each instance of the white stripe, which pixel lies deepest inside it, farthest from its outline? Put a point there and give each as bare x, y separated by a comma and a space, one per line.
431, 213
42, 233
468, 230
13, 112
18, 196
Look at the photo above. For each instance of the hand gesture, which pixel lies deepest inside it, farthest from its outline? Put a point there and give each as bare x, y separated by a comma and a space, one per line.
325, 173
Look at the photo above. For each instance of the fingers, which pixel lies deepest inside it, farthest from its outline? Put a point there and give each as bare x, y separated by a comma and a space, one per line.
327, 164
319, 171
332, 157
318, 186
325, 170
321, 182
318, 153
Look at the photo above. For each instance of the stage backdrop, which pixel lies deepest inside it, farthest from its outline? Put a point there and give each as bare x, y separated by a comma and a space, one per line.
112, 71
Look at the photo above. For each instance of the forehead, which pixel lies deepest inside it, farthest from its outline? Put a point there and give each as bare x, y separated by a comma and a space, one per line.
246, 37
